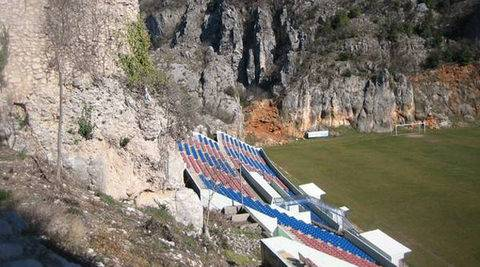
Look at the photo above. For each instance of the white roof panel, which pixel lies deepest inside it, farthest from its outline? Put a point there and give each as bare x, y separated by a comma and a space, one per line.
312, 190
385, 242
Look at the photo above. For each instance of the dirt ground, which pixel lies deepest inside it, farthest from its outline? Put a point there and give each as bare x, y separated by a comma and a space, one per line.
93, 229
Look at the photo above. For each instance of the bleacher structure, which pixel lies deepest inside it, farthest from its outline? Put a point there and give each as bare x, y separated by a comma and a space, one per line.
230, 172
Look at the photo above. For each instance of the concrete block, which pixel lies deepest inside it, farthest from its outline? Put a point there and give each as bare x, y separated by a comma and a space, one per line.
240, 217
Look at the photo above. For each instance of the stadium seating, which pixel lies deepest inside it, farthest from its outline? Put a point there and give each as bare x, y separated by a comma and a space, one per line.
242, 153
206, 159
330, 250
337, 242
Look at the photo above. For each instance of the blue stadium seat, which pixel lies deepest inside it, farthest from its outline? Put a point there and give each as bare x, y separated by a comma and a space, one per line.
186, 149
194, 153
179, 145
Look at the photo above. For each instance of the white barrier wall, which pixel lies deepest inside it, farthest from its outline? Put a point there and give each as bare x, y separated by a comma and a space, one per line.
261, 186
317, 134
266, 222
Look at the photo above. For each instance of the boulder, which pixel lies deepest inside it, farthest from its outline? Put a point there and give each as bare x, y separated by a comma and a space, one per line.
183, 204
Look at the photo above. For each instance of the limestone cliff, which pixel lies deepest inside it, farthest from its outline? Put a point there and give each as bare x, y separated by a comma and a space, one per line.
366, 64
127, 152
323, 63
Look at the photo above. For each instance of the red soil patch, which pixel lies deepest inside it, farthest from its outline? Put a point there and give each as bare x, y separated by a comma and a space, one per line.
263, 123
453, 76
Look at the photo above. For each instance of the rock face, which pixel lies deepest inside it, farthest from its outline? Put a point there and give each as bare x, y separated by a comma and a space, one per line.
227, 52
183, 204
318, 69
29, 101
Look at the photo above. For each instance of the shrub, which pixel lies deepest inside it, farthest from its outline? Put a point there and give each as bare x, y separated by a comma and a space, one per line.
138, 65
433, 60
347, 73
23, 154
392, 29
161, 214
85, 125
237, 259
463, 53
465, 56
340, 20
354, 12
124, 142
344, 56
106, 198
4, 195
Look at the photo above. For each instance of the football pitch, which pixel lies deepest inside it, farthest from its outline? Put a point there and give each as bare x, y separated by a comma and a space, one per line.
423, 191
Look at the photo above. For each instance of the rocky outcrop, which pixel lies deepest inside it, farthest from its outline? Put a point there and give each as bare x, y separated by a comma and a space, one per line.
370, 105
448, 92
128, 151
286, 52
183, 204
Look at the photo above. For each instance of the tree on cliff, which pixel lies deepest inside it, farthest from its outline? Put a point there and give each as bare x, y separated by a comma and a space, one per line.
66, 21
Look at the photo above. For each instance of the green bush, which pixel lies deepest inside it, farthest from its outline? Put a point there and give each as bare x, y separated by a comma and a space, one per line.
347, 73
106, 199
4, 195
433, 60
85, 124
462, 52
138, 65
464, 56
340, 20
22, 154
354, 12
392, 29
237, 259
344, 56
161, 214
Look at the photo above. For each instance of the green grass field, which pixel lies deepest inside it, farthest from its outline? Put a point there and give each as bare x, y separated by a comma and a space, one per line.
423, 191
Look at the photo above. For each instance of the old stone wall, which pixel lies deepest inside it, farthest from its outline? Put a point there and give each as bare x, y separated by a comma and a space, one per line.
117, 113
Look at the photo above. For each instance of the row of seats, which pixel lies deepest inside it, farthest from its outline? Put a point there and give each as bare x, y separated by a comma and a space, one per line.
197, 157
258, 163
242, 153
286, 220
330, 250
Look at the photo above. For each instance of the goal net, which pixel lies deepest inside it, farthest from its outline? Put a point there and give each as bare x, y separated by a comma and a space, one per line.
410, 128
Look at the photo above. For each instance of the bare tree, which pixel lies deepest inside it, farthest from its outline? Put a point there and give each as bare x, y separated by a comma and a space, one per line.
3, 52
65, 21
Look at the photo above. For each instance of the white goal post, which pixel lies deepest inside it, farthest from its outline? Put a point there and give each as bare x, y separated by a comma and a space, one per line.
416, 127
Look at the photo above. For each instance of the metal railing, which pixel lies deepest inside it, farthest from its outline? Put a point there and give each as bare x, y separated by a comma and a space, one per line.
332, 212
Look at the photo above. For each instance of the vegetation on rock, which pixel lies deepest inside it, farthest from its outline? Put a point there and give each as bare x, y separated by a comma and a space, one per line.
138, 66
85, 124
